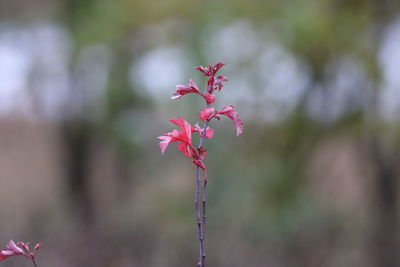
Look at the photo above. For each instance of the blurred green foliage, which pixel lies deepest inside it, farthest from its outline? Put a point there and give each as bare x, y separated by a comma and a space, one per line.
264, 199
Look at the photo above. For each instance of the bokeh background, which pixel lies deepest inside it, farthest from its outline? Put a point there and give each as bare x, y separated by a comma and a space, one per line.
313, 181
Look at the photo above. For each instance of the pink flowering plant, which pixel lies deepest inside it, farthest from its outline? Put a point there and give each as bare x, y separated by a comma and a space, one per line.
197, 154
19, 249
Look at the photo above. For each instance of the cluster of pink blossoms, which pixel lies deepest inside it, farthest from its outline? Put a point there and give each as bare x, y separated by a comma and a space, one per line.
184, 135
21, 249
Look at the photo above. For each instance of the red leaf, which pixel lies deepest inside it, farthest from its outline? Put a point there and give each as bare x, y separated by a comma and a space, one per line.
37, 247
163, 144
209, 131
211, 70
203, 70
219, 82
207, 113
182, 90
230, 112
213, 83
20, 249
183, 147
210, 98
12, 246
5, 253
184, 137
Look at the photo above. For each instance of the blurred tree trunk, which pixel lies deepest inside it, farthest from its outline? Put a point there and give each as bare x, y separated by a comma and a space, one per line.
385, 231
76, 141
120, 100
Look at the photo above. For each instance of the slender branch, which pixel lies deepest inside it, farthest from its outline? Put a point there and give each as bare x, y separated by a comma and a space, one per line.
199, 222
204, 215
203, 134
34, 263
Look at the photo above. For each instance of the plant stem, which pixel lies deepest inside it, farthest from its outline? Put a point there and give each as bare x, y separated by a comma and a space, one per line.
201, 223
204, 216
34, 263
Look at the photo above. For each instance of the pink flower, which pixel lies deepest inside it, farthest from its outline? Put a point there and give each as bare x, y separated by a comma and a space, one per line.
230, 112
182, 90
21, 249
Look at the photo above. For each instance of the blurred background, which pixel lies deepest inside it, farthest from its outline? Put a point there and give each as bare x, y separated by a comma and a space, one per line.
313, 181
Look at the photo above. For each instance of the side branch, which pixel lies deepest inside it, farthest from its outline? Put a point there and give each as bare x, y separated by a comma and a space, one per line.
203, 224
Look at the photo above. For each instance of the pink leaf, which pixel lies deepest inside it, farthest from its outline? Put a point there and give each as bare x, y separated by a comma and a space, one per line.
186, 129
182, 90
37, 247
25, 246
4, 254
211, 70
217, 66
21, 249
184, 136
209, 133
163, 144
210, 98
183, 147
207, 113
213, 83
196, 128
230, 112
219, 82
17, 250
203, 70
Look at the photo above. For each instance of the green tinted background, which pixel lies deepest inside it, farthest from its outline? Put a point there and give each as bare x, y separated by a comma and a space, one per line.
313, 181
